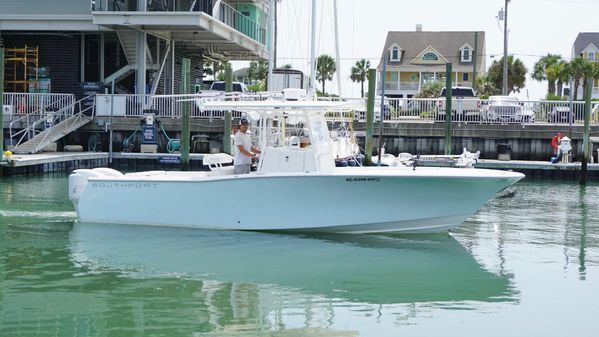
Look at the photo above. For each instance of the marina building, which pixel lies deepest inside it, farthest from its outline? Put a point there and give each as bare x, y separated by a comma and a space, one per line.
416, 58
74, 46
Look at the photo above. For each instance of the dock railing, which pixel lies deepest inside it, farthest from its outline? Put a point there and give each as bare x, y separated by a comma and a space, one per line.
396, 110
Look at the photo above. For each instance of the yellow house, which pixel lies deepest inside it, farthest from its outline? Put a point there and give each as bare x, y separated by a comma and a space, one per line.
586, 46
416, 58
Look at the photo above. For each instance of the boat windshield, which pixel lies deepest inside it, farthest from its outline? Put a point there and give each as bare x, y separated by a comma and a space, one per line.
318, 128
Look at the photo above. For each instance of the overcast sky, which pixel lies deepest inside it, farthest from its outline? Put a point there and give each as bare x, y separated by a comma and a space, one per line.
537, 27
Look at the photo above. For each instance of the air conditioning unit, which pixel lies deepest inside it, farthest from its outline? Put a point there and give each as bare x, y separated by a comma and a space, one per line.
7, 110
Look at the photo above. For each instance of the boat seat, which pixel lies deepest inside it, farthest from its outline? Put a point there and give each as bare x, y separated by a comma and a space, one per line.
215, 162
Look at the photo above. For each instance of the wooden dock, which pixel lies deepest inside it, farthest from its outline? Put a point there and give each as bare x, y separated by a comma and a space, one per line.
69, 161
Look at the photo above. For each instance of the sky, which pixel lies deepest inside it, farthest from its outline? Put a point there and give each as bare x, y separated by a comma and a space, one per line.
536, 27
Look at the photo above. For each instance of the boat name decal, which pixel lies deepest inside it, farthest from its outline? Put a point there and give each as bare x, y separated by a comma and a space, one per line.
125, 185
369, 179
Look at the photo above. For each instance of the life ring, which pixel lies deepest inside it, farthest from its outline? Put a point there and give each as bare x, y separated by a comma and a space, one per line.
556, 140
21, 108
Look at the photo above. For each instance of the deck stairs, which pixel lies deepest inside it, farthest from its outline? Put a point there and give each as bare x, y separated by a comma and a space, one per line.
128, 41
62, 123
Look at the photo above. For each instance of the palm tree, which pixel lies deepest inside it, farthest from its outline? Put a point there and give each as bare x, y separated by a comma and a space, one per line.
563, 75
325, 69
539, 71
580, 69
219, 69
485, 87
259, 71
359, 73
516, 74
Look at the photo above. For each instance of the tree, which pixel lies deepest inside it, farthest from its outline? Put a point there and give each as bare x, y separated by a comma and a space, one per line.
580, 69
325, 69
563, 75
516, 78
359, 73
431, 89
485, 87
539, 71
258, 71
219, 69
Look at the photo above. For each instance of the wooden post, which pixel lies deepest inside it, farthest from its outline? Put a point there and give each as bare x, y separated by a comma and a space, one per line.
370, 116
1, 106
228, 114
448, 94
587, 128
185, 89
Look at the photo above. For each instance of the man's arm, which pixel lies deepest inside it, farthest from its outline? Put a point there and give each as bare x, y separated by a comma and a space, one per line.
255, 150
244, 151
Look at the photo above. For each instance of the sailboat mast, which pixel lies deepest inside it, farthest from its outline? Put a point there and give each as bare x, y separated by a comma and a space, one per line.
313, 52
271, 42
338, 70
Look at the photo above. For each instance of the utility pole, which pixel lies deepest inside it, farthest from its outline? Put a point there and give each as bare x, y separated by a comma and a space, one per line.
474, 58
505, 72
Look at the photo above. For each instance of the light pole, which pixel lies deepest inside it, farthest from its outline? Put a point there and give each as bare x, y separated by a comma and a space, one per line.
505, 72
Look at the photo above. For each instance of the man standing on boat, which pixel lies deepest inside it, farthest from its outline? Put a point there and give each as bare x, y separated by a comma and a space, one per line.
244, 151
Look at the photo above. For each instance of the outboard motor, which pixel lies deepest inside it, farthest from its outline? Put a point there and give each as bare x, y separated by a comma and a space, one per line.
79, 178
77, 183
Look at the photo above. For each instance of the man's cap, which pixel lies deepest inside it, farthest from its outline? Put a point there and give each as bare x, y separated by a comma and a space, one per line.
244, 121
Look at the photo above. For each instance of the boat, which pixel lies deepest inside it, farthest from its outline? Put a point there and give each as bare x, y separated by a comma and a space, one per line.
296, 186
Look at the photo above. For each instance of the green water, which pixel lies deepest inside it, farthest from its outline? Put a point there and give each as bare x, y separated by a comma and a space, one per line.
522, 266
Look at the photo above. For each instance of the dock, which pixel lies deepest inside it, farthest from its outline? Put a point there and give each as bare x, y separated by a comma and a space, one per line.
69, 161
28, 164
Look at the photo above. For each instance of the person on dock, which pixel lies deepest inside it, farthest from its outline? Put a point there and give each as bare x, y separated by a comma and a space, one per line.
244, 151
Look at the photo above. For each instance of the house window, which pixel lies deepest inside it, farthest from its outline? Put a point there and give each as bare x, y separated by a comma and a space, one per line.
591, 56
465, 77
394, 54
392, 80
466, 55
430, 56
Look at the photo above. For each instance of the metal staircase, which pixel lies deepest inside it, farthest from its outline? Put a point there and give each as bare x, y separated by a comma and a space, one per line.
57, 126
128, 41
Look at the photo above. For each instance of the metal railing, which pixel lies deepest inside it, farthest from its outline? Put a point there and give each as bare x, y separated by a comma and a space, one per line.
243, 24
49, 119
224, 13
29, 108
475, 111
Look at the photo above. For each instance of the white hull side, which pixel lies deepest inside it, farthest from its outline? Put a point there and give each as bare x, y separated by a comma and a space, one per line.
371, 200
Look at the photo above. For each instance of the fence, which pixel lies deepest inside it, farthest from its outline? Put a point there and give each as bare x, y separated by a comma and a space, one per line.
398, 110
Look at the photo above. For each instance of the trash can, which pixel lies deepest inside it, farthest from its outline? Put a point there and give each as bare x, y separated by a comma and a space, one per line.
504, 151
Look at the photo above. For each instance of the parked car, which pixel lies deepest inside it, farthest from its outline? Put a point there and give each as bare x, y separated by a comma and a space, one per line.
465, 105
361, 114
237, 86
560, 114
506, 109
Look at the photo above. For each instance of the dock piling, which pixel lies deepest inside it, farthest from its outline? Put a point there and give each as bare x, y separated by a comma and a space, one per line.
370, 116
186, 89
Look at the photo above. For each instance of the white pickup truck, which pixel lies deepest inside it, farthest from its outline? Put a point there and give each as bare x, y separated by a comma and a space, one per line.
465, 105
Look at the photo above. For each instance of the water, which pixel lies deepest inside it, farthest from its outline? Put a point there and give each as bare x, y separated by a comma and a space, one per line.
522, 266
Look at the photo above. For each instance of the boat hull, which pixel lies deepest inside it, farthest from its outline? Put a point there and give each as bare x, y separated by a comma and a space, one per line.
364, 200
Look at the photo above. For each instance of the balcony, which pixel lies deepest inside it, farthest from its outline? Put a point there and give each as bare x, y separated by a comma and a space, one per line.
203, 23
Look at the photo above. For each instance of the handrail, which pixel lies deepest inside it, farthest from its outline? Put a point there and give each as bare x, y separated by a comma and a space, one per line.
60, 115
65, 100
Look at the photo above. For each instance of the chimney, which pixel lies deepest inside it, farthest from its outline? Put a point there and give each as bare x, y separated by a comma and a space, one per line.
418, 27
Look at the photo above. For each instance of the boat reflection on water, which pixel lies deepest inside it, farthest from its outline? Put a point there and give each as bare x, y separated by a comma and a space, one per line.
374, 269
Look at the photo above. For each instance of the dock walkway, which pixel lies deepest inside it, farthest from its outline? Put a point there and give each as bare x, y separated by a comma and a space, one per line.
68, 161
